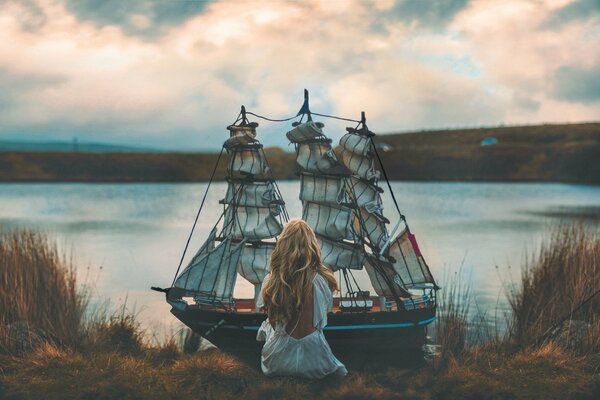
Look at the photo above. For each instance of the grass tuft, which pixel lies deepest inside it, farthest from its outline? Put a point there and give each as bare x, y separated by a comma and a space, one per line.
39, 300
564, 274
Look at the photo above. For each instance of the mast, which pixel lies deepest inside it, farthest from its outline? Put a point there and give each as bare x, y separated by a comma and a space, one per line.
253, 215
394, 264
325, 204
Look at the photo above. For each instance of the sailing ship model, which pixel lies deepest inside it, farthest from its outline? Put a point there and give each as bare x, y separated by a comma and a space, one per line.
341, 201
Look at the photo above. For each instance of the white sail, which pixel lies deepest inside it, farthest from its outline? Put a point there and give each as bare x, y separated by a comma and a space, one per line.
240, 135
378, 271
362, 167
251, 194
252, 223
304, 132
207, 246
213, 273
337, 254
225, 280
408, 261
366, 195
248, 161
356, 144
255, 260
328, 220
190, 276
321, 189
324, 198
373, 226
202, 270
316, 156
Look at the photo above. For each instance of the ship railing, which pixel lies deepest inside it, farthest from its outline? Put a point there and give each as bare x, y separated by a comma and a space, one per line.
424, 296
210, 300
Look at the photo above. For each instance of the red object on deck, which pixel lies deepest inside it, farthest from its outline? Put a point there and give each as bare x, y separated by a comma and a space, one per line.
415, 245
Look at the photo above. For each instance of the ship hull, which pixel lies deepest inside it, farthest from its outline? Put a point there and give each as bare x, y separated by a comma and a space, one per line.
350, 334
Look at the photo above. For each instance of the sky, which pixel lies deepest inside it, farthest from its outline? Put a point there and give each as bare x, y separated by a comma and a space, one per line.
172, 74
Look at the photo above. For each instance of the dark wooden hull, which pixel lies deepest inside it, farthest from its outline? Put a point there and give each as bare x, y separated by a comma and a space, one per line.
348, 333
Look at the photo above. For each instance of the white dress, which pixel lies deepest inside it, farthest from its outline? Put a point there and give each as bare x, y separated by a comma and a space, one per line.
307, 357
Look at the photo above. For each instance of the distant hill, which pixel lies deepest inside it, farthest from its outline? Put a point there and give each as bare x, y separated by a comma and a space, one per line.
561, 153
544, 153
14, 145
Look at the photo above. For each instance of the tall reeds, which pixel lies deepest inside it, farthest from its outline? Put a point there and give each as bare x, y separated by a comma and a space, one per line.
558, 286
38, 292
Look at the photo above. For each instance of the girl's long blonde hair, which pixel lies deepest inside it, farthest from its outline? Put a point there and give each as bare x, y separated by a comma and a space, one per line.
294, 262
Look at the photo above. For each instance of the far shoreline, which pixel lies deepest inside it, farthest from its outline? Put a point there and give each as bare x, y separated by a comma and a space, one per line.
567, 153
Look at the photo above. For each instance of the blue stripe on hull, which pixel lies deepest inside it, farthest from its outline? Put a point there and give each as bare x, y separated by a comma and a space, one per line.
373, 326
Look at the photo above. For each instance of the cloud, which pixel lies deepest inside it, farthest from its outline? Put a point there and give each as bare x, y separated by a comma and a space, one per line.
154, 73
578, 84
429, 14
576, 11
144, 18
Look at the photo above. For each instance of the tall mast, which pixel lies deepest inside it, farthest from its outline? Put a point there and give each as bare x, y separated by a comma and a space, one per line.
253, 215
325, 204
395, 264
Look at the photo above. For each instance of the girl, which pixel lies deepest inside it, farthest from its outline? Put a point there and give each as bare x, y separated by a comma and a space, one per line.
296, 296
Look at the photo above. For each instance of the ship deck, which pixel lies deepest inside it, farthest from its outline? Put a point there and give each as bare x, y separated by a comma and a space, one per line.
342, 304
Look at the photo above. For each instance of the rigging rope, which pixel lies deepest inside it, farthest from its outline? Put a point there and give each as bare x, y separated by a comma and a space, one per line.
334, 117
272, 119
300, 115
212, 175
385, 175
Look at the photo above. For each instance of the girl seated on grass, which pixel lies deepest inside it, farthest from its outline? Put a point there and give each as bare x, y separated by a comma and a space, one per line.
296, 295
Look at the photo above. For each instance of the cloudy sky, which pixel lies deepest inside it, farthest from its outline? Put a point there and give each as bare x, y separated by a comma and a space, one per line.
173, 73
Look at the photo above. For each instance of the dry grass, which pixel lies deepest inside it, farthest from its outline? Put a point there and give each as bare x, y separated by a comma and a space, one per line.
51, 372
109, 358
37, 290
554, 284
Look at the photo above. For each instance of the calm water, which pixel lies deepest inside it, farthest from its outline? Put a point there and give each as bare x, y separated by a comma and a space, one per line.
127, 237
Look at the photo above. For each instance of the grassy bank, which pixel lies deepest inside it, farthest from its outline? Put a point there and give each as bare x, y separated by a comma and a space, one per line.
557, 153
548, 153
110, 357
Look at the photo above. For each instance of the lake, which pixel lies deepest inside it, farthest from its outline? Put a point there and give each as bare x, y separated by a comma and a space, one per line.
127, 237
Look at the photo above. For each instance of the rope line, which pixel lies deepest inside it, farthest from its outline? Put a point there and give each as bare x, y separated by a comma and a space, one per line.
335, 117
385, 175
212, 175
300, 115
273, 119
